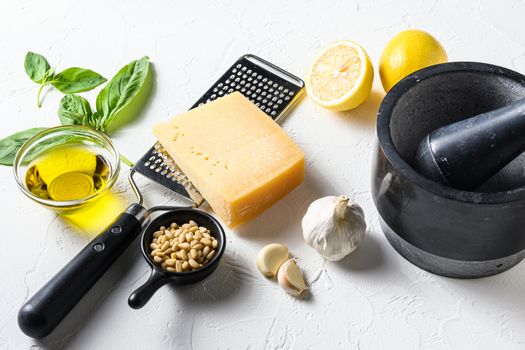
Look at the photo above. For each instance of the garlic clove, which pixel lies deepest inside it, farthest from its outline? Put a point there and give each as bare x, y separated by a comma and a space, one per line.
270, 258
291, 279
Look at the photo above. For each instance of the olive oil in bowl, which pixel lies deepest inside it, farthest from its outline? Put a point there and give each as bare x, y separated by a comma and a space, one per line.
67, 173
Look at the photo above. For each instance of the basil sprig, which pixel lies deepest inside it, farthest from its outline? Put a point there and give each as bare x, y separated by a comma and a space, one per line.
112, 101
115, 102
69, 81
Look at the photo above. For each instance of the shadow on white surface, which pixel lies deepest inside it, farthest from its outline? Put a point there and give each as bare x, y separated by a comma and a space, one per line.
504, 290
369, 255
364, 116
228, 279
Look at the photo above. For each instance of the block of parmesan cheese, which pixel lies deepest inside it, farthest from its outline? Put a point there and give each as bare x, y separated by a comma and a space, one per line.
238, 158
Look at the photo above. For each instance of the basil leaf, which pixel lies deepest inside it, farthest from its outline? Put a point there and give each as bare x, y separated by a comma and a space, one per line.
36, 67
95, 121
11, 144
121, 90
74, 110
76, 79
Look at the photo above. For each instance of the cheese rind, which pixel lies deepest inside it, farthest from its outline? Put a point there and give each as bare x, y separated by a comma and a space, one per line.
238, 158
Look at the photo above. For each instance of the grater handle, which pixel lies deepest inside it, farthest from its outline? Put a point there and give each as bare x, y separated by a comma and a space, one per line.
40, 315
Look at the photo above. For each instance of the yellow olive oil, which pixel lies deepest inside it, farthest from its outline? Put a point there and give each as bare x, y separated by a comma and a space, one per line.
67, 173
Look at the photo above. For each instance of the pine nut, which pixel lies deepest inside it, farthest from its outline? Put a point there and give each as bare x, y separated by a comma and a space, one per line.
206, 235
185, 246
206, 251
168, 251
189, 237
215, 244
170, 262
182, 238
183, 255
194, 264
178, 266
165, 246
211, 255
194, 254
173, 255
170, 269
203, 229
185, 265
157, 259
206, 241
153, 246
197, 235
193, 223
157, 234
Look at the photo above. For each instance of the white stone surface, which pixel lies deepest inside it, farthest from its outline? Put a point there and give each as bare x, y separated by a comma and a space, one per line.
372, 300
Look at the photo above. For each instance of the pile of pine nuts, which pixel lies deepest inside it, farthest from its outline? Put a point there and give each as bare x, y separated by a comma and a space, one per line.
183, 248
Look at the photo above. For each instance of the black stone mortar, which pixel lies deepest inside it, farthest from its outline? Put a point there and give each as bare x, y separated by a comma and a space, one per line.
440, 229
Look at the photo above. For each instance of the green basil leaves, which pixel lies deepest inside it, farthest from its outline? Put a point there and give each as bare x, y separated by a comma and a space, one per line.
121, 90
71, 80
74, 110
36, 67
118, 94
10, 145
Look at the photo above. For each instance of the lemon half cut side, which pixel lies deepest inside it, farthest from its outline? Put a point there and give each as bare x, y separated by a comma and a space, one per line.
341, 76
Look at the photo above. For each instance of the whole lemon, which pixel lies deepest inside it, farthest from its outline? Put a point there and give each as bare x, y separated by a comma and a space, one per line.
407, 52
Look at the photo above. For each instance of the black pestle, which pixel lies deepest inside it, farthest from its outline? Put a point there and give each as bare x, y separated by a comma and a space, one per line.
467, 153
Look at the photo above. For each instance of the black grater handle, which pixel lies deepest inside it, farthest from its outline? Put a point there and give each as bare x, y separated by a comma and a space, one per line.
40, 315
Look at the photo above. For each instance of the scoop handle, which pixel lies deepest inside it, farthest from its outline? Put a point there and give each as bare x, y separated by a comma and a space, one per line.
143, 294
45, 310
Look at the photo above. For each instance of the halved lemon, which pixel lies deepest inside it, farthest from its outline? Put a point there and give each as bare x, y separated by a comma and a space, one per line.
341, 77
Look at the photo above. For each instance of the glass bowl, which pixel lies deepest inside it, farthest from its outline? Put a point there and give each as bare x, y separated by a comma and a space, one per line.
53, 138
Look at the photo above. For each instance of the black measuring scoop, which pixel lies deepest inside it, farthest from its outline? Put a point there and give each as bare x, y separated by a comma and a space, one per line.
160, 276
467, 153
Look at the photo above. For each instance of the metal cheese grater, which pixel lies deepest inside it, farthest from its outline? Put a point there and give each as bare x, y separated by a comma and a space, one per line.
269, 87
272, 89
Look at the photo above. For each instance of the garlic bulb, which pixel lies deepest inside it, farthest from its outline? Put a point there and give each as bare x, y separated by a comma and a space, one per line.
333, 226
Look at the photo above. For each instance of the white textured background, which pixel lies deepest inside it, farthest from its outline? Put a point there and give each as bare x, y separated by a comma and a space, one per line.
372, 300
